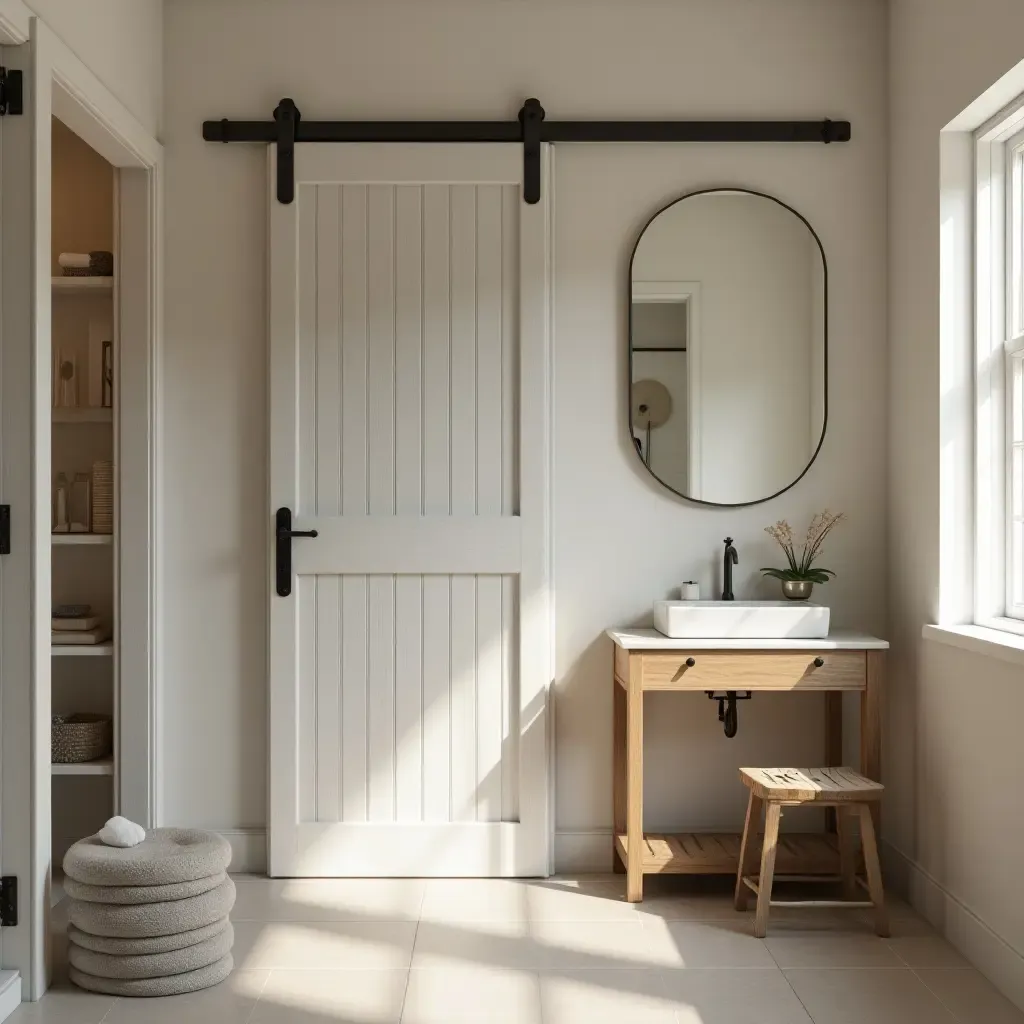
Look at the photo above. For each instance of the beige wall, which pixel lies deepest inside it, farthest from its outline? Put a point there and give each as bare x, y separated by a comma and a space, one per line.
82, 217
620, 541
955, 806
121, 42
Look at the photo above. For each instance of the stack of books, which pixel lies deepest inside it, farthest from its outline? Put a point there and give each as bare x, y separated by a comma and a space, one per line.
77, 626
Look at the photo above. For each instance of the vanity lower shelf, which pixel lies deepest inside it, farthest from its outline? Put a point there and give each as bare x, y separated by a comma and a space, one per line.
718, 853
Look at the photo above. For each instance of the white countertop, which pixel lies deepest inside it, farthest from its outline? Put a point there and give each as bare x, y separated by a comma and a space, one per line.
837, 640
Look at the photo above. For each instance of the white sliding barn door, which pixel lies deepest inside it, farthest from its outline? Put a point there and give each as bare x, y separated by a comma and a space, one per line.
409, 418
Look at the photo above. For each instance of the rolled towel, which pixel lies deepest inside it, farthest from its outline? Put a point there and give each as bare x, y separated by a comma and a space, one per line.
121, 832
78, 260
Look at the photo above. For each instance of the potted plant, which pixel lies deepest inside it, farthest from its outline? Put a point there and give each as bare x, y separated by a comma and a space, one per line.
799, 579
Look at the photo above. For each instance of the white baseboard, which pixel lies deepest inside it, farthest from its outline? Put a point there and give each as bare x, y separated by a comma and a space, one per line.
10, 993
989, 952
248, 850
583, 852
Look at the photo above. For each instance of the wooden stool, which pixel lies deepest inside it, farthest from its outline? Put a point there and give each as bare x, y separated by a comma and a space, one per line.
841, 788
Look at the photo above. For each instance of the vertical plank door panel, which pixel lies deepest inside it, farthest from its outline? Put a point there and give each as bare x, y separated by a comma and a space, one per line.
397, 368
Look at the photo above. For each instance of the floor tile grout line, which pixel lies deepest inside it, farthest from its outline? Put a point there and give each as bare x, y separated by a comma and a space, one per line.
782, 971
408, 971
939, 998
106, 1013
259, 996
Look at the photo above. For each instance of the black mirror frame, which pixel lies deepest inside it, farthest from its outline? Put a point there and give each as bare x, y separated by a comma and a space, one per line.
629, 341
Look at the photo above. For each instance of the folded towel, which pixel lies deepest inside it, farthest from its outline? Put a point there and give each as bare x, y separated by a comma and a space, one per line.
74, 259
121, 832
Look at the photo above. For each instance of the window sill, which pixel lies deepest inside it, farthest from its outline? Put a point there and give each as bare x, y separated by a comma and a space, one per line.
993, 643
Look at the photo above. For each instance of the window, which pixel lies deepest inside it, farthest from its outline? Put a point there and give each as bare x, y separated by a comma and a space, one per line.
1014, 348
999, 373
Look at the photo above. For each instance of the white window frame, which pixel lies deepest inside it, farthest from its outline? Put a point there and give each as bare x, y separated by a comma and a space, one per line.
998, 356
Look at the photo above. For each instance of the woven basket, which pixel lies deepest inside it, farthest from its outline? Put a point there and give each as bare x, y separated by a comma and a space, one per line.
103, 497
77, 738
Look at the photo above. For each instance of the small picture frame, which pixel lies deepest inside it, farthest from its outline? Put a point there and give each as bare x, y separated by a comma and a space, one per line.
108, 375
101, 330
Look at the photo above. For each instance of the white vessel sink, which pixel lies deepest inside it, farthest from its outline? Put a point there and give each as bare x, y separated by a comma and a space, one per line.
760, 620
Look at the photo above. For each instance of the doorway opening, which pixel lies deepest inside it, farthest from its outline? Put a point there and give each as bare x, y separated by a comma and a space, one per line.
84, 676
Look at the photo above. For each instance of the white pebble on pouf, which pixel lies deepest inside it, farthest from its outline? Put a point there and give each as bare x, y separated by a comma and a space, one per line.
150, 919
166, 855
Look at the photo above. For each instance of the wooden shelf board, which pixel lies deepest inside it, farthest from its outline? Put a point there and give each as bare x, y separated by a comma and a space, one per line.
82, 414
82, 650
82, 284
85, 539
717, 853
102, 766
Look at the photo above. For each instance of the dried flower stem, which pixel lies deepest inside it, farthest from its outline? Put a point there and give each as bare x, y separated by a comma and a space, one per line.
821, 525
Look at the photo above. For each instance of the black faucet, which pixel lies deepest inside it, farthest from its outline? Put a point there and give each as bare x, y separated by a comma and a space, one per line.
731, 559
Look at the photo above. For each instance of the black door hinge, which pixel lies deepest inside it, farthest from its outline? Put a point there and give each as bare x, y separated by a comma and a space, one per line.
5, 529
9, 901
11, 100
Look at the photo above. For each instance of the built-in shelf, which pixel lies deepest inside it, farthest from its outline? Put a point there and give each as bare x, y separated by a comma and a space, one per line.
85, 539
101, 766
82, 650
83, 415
82, 284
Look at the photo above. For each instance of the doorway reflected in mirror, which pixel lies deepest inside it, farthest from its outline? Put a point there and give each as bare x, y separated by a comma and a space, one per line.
728, 321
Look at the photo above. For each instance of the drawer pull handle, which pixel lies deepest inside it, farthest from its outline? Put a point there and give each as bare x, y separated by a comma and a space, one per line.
818, 662
690, 662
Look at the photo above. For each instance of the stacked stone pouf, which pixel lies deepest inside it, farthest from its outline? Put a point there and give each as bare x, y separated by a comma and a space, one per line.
152, 919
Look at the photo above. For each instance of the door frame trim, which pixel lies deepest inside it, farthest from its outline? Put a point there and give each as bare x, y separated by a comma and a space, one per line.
63, 86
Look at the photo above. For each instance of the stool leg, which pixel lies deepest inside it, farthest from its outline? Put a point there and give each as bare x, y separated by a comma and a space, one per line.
847, 852
764, 883
873, 869
748, 846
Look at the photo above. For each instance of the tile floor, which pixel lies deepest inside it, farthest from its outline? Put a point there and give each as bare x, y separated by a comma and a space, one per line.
562, 951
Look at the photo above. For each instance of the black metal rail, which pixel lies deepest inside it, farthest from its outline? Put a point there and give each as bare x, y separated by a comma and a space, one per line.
531, 129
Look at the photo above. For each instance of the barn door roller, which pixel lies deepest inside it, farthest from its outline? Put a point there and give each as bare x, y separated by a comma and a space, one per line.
530, 129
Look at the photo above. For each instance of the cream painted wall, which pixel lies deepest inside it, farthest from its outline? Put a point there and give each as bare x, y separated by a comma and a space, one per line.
121, 42
620, 541
953, 715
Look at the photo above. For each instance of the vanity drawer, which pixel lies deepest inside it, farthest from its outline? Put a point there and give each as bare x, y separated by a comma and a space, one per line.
755, 670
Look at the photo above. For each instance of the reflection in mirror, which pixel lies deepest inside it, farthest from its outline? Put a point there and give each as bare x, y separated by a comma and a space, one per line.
728, 346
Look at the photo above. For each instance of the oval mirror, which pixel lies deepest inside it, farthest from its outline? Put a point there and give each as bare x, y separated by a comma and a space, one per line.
728, 346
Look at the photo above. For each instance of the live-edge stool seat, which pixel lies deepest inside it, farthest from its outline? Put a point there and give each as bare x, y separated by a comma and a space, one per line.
850, 793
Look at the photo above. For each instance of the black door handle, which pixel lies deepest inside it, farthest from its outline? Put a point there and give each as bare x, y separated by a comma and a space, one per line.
283, 538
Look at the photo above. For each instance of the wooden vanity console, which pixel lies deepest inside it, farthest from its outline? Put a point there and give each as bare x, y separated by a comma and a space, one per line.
646, 660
